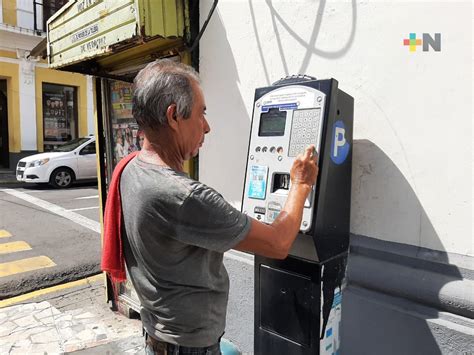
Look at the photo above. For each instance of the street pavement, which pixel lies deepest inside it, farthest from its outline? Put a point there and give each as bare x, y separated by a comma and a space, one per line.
47, 236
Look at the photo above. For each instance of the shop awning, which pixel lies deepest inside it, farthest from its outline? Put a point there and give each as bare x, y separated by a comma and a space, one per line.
115, 38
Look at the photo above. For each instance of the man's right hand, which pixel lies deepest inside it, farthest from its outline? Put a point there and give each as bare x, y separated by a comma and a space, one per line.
275, 240
305, 168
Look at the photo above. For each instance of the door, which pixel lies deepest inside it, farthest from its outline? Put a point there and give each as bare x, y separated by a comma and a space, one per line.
87, 162
4, 150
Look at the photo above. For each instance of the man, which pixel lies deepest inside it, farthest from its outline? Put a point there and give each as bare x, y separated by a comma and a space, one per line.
177, 229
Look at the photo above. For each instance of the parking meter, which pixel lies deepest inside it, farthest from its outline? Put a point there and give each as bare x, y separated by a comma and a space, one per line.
297, 300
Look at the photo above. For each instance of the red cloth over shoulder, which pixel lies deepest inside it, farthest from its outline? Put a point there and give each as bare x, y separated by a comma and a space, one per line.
113, 260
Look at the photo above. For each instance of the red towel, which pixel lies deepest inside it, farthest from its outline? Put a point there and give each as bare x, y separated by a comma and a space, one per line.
113, 261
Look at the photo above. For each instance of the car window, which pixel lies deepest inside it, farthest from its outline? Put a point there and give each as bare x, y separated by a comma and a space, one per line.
71, 145
88, 149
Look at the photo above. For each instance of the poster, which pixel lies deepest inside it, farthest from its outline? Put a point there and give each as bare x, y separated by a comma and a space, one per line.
56, 126
121, 100
126, 135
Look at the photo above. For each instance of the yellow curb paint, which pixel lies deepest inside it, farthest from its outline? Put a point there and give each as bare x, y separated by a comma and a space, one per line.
13, 247
24, 265
4, 233
31, 295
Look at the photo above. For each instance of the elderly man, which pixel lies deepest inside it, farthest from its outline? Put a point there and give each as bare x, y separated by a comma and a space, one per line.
177, 229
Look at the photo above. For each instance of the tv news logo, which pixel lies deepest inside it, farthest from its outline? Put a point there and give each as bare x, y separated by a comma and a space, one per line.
426, 41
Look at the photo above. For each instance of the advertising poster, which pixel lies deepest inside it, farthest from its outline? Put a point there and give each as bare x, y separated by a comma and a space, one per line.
55, 117
126, 136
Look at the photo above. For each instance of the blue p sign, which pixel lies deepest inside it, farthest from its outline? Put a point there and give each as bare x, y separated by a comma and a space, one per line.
339, 145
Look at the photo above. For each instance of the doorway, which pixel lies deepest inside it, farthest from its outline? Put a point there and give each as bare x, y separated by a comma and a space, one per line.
4, 149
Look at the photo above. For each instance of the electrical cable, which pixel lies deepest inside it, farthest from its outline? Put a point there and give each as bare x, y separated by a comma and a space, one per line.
196, 41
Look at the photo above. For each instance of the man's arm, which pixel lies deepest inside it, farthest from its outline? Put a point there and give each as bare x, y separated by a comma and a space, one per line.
275, 240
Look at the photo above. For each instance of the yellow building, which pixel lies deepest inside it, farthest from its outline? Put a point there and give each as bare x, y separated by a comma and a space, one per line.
40, 108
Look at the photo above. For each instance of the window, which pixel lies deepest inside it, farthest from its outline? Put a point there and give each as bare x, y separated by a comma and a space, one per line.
43, 10
59, 115
88, 149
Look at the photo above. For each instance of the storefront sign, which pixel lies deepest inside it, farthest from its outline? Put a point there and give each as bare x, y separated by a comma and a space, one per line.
89, 28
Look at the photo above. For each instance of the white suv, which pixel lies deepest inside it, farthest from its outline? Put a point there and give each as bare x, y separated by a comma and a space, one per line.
75, 160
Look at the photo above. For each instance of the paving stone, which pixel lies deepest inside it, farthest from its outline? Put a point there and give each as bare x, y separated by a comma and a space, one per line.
25, 322
7, 328
6, 347
75, 312
47, 336
64, 317
3, 317
48, 348
22, 343
100, 337
86, 334
86, 315
22, 347
34, 330
48, 312
63, 324
43, 305
66, 333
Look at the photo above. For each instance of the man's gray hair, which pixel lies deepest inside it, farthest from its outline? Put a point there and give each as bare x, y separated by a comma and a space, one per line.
159, 85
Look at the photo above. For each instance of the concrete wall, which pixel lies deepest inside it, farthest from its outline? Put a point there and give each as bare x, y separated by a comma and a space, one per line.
412, 151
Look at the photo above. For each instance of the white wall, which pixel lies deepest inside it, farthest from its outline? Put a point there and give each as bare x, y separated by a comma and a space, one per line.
412, 154
27, 105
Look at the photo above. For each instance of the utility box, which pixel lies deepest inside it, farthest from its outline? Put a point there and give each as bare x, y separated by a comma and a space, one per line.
298, 300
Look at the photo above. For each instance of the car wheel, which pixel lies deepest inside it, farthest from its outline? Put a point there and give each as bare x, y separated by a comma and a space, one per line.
62, 178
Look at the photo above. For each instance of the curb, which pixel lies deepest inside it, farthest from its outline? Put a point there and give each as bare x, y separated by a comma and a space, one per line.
12, 183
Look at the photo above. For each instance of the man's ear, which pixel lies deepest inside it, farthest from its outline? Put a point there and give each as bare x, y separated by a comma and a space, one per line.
172, 116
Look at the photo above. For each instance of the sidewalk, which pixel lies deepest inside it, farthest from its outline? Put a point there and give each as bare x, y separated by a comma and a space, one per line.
71, 318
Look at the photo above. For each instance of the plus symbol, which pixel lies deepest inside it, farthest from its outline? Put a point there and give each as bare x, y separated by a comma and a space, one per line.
412, 42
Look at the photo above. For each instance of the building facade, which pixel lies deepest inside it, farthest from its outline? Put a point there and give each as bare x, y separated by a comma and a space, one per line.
408, 65
39, 108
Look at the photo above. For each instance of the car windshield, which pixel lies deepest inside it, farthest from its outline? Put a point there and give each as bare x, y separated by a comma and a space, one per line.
71, 145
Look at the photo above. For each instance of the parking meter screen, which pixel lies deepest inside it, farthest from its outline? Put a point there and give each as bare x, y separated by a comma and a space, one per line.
272, 123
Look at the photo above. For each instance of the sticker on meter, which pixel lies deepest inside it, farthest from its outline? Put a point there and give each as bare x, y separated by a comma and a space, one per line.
273, 210
258, 182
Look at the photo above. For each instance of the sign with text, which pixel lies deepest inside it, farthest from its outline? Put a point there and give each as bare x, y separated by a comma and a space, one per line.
86, 28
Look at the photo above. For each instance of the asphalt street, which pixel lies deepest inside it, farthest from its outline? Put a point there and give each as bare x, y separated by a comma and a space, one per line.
47, 236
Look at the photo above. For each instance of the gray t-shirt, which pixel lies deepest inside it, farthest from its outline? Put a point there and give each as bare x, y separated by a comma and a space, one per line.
177, 230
